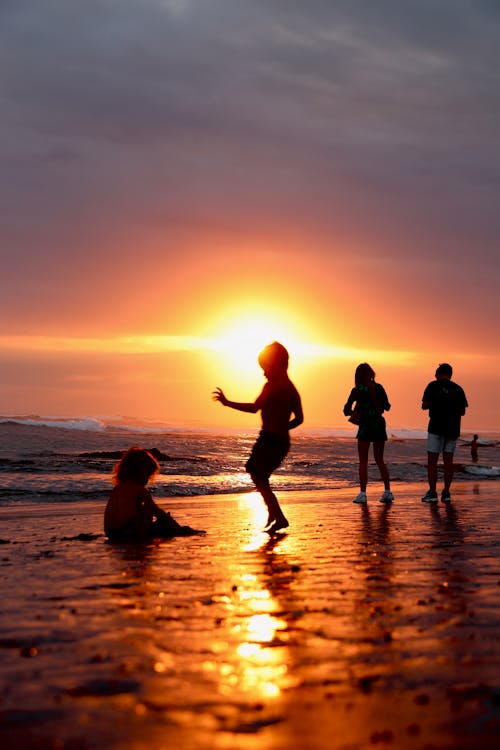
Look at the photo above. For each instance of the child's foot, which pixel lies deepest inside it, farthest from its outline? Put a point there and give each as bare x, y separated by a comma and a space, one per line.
188, 531
277, 525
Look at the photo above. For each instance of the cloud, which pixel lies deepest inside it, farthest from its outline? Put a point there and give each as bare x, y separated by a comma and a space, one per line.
373, 124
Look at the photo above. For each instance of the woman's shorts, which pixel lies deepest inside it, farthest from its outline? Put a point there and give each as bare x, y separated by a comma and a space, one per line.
372, 431
267, 454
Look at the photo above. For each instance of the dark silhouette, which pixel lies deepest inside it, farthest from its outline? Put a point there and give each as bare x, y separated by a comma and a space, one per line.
446, 403
473, 449
277, 402
131, 511
370, 400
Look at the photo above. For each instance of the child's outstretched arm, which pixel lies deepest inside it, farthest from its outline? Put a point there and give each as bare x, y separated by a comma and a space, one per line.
218, 395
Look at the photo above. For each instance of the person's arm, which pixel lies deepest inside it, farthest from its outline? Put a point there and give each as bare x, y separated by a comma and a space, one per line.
166, 519
251, 408
151, 507
298, 415
384, 401
464, 403
348, 405
426, 399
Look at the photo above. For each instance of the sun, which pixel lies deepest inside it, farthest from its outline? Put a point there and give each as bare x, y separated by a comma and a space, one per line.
239, 342
247, 336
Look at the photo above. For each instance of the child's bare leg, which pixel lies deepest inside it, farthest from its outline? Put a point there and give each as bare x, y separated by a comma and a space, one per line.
276, 518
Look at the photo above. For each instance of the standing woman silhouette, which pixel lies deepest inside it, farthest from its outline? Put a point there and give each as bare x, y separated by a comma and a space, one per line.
370, 400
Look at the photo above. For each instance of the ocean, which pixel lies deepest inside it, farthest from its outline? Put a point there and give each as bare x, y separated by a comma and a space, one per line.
66, 460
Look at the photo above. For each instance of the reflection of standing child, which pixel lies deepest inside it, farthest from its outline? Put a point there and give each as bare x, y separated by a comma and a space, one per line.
277, 402
130, 511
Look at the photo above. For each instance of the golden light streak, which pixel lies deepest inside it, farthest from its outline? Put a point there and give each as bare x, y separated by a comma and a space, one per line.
242, 346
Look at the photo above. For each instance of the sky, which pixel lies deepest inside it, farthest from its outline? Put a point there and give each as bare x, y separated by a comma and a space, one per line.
184, 181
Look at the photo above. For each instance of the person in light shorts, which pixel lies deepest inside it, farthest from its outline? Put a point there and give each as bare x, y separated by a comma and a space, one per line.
446, 403
440, 444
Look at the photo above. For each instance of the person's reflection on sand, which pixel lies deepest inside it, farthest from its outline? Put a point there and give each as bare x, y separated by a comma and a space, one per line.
452, 564
134, 571
278, 574
262, 611
375, 603
450, 614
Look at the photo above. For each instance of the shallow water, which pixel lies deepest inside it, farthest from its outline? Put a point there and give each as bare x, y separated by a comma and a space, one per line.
55, 464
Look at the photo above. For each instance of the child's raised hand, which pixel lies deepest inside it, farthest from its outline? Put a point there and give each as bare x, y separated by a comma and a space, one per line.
218, 395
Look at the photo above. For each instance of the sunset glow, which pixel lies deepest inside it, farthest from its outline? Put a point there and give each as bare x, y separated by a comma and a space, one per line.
160, 230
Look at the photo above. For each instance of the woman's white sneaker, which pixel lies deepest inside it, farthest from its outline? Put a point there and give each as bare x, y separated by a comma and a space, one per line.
387, 497
361, 499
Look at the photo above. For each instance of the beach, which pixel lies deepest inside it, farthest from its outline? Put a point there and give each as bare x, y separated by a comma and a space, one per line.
360, 627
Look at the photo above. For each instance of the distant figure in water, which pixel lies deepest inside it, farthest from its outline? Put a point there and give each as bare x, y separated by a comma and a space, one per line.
277, 402
446, 403
370, 400
473, 449
131, 511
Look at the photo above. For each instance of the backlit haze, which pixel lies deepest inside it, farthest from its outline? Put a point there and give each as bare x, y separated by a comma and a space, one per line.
184, 181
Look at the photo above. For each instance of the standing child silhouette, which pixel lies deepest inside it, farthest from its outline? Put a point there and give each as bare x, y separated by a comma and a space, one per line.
277, 402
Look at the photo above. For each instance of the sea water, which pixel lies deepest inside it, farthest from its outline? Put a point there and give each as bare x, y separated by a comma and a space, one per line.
68, 460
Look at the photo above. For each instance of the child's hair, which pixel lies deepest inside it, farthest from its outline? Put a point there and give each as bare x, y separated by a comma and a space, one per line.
444, 369
136, 464
364, 374
274, 355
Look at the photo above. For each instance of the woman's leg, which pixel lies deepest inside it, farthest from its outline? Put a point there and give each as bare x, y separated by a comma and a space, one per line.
363, 448
378, 452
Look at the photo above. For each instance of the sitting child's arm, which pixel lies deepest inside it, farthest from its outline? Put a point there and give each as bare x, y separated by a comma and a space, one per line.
165, 520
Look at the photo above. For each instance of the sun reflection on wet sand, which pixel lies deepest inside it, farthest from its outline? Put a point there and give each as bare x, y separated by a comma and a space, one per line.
257, 665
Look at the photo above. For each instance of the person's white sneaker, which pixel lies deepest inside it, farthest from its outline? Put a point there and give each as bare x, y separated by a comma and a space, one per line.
361, 498
387, 497
430, 497
445, 496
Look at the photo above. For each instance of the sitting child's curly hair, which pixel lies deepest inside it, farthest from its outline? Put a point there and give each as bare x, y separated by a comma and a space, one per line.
137, 465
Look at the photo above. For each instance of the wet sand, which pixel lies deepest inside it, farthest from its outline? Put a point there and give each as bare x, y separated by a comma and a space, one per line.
360, 627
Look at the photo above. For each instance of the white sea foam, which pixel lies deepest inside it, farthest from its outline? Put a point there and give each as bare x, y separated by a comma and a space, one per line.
157, 427
66, 459
89, 424
407, 434
483, 471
